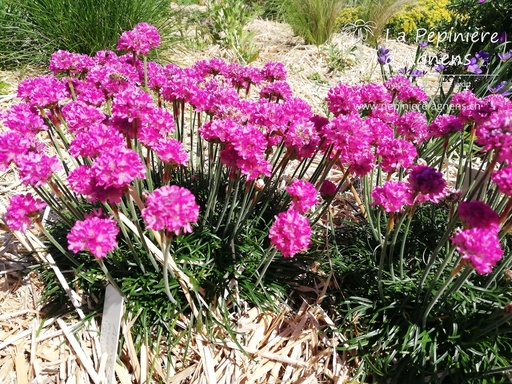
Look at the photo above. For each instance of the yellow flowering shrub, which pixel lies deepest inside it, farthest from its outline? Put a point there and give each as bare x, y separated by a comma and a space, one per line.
421, 14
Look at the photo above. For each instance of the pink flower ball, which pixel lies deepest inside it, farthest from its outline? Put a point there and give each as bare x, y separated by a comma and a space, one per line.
290, 233
171, 208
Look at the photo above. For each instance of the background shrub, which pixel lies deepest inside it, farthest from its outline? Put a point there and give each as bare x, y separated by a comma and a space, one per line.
428, 14
30, 30
313, 20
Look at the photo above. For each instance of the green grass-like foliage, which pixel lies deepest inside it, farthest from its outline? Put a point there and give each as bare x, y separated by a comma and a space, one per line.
466, 338
313, 20
30, 30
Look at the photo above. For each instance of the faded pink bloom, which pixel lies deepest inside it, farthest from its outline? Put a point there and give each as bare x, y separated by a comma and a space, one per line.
94, 234
171, 208
290, 233
303, 195
21, 210
392, 196
477, 214
480, 246
141, 39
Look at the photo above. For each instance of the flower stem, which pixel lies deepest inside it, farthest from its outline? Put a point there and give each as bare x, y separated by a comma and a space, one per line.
166, 254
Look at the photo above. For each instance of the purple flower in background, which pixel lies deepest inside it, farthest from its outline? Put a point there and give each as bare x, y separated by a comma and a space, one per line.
505, 56
383, 55
473, 66
423, 44
482, 55
502, 37
417, 73
440, 68
500, 88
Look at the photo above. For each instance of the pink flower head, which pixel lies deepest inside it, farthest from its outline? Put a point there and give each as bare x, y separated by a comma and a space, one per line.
495, 133
21, 210
396, 84
444, 125
344, 99
412, 126
290, 233
392, 196
273, 71
94, 234
303, 195
503, 179
477, 214
171, 208
379, 130
24, 119
83, 181
242, 77
80, 116
211, 67
37, 168
375, 94
13, 146
96, 140
132, 103
171, 151
480, 246
117, 168
466, 103
141, 39
426, 183
278, 90
395, 154
44, 91
155, 126
70, 63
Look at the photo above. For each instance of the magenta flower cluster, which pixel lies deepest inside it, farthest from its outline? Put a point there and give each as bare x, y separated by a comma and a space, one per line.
171, 208
95, 234
21, 210
122, 118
